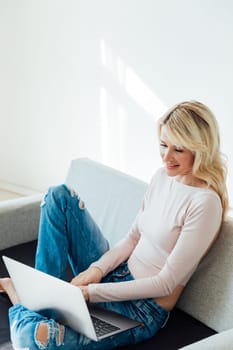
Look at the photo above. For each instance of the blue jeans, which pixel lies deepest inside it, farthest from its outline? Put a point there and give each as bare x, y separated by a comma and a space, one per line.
68, 234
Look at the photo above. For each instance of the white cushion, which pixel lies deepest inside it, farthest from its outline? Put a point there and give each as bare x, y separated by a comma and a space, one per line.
112, 197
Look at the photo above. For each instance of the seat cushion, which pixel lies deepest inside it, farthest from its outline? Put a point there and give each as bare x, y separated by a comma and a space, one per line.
180, 330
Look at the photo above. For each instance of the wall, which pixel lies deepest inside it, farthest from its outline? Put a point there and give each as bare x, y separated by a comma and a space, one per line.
39, 86
90, 78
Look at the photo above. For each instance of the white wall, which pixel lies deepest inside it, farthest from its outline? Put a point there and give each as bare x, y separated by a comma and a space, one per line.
39, 86
89, 78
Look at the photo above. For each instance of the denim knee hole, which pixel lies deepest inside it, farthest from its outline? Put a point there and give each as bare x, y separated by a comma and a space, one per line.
73, 194
53, 330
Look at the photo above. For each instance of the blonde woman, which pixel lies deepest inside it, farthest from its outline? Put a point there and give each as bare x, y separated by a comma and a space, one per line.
143, 276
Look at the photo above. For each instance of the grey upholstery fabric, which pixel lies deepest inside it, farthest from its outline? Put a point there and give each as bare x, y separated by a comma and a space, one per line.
19, 219
209, 295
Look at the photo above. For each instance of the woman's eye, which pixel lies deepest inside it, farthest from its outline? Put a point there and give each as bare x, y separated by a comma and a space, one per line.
162, 145
179, 150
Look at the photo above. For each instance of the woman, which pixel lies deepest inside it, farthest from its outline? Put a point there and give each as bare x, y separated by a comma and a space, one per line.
143, 276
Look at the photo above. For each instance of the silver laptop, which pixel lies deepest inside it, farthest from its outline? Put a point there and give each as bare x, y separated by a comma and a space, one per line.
39, 291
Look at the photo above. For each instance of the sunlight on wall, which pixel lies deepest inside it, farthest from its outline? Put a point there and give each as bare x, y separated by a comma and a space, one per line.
113, 130
114, 117
142, 94
104, 125
131, 82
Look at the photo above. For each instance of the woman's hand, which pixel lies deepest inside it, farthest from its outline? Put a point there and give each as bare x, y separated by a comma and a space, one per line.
84, 290
91, 275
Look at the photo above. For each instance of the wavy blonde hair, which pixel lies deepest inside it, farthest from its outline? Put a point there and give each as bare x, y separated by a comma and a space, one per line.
193, 126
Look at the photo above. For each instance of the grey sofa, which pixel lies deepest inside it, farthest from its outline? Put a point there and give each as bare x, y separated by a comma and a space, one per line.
203, 318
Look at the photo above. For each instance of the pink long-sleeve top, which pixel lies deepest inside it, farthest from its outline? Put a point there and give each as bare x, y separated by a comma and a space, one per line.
172, 232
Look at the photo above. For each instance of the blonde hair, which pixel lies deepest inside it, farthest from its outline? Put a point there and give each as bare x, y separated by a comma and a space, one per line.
193, 126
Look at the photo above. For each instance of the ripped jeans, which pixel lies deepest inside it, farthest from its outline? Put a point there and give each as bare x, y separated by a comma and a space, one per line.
67, 233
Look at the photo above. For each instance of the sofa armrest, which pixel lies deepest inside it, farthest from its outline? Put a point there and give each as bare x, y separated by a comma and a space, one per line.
19, 220
220, 341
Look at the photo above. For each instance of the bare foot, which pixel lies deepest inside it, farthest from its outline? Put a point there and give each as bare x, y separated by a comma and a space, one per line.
3, 284
7, 286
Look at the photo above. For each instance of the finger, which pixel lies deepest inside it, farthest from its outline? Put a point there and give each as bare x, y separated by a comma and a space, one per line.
80, 280
77, 282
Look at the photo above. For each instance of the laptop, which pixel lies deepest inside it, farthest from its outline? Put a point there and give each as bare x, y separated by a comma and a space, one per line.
39, 291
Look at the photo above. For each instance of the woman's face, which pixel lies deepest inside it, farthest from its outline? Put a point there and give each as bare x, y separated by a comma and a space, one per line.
178, 161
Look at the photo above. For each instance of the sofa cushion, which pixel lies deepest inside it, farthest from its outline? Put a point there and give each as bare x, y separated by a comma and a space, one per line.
209, 294
19, 220
4, 324
220, 341
112, 197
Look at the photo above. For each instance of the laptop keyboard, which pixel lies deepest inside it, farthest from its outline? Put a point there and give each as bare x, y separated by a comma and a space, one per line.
102, 327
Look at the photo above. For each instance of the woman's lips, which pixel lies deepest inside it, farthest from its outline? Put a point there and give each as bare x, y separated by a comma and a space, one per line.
171, 166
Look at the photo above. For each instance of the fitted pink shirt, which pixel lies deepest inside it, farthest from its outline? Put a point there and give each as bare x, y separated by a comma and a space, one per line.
173, 230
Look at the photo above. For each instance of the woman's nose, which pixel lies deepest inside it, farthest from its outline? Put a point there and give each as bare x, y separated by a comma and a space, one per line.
167, 154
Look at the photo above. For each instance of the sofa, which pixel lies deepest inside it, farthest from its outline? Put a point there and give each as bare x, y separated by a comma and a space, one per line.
203, 317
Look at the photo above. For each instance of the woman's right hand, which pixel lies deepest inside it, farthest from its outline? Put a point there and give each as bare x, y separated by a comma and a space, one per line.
92, 275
